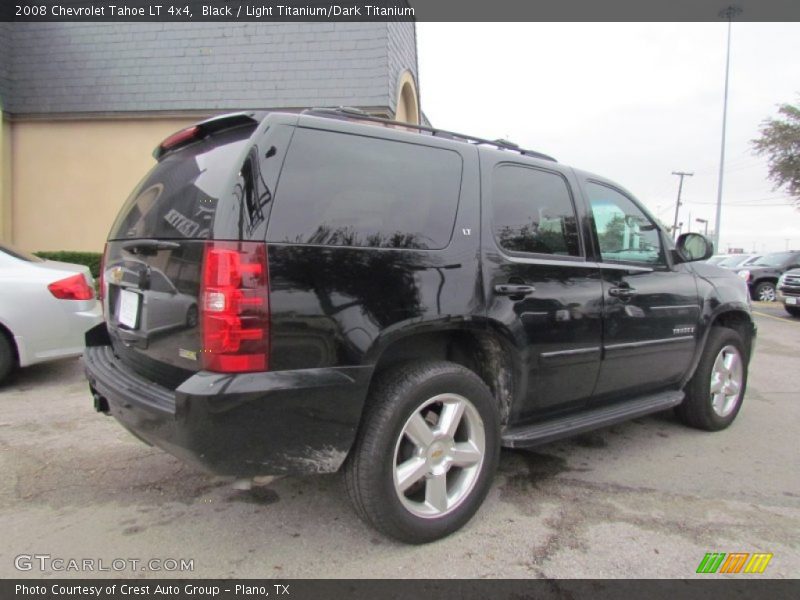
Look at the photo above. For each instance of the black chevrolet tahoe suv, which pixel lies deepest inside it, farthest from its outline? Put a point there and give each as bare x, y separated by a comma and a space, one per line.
307, 293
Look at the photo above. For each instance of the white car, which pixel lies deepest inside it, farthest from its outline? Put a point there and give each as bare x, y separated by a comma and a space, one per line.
46, 307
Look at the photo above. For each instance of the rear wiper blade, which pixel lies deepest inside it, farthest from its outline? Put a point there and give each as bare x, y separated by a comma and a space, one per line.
149, 246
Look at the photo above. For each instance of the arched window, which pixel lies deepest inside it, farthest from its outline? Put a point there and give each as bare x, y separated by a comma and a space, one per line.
407, 109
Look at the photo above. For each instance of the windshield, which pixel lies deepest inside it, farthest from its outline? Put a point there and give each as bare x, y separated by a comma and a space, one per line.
13, 252
776, 259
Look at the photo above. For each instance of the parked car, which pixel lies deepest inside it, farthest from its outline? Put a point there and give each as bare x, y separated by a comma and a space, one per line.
46, 307
738, 261
400, 305
789, 291
717, 258
762, 276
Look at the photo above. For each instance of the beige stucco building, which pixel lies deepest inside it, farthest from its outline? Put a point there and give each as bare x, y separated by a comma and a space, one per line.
82, 105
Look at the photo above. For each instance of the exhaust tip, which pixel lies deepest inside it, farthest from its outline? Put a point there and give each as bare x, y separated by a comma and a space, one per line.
100, 403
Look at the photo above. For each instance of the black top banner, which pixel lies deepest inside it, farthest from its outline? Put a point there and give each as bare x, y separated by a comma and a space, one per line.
398, 10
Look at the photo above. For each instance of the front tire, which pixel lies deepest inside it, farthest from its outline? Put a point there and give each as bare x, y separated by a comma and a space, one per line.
792, 310
714, 394
426, 451
7, 359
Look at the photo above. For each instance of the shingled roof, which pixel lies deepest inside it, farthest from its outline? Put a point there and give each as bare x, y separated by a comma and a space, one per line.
99, 68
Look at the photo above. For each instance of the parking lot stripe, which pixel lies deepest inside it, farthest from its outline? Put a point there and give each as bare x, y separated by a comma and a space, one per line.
781, 319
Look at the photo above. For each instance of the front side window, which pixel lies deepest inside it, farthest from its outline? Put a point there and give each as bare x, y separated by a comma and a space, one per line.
624, 232
533, 212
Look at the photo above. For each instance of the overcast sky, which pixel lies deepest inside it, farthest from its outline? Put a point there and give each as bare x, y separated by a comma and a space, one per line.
632, 102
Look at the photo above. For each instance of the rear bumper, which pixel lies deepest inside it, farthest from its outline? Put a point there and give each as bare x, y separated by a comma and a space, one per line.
274, 423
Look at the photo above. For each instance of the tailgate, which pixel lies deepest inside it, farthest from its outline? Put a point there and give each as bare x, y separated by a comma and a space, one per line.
153, 260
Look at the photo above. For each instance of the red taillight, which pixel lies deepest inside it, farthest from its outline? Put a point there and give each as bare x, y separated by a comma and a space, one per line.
180, 137
184, 136
234, 307
74, 287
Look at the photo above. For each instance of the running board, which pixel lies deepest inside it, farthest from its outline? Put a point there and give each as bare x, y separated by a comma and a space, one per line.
555, 429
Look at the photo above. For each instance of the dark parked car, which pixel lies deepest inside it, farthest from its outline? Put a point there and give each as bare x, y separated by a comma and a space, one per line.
762, 276
789, 291
400, 305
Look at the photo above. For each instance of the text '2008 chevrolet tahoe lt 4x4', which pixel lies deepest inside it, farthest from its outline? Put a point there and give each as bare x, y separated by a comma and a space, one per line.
289, 294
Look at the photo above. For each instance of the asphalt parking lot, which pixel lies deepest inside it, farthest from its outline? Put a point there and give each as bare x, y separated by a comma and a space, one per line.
645, 499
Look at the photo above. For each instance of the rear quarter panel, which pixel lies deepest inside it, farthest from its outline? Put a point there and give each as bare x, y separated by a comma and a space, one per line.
342, 306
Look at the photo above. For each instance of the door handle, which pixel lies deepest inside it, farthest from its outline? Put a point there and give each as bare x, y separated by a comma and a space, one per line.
513, 289
622, 292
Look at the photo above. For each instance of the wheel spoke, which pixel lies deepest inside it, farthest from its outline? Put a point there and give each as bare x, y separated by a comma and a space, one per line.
465, 454
450, 418
716, 383
410, 472
733, 387
419, 431
718, 401
719, 365
436, 492
731, 362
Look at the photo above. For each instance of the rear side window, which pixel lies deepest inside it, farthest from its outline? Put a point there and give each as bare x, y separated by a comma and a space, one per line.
346, 190
533, 212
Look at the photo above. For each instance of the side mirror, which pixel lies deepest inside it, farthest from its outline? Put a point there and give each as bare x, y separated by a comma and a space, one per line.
694, 246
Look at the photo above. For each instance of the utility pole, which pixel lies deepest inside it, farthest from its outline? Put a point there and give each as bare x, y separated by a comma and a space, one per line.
727, 13
680, 174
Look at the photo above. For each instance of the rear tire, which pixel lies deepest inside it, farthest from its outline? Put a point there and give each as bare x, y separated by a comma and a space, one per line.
426, 451
7, 357
715, 393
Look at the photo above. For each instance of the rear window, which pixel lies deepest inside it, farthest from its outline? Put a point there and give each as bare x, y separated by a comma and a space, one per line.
178, 197
347, 190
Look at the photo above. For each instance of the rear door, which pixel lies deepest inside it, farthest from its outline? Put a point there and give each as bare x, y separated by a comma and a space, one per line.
540, 287
651, 307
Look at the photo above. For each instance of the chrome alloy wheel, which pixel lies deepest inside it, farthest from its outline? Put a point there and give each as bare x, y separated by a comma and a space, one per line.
438, 456
727, 376
767, 294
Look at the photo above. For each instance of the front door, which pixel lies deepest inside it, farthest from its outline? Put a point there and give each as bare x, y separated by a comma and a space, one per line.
651, 307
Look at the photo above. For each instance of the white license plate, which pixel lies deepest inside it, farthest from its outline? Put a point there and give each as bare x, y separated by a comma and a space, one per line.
791, 300
128, 312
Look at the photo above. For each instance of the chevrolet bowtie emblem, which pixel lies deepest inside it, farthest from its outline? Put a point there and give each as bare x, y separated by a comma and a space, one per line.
116, 275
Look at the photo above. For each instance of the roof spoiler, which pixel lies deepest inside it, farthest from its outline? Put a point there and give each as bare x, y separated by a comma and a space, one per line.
202, 130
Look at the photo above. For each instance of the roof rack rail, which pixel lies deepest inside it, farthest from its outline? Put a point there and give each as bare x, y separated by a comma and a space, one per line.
347, 113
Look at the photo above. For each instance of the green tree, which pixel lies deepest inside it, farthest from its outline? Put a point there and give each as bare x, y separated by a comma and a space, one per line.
780, 143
